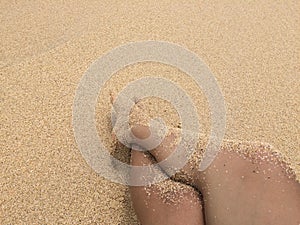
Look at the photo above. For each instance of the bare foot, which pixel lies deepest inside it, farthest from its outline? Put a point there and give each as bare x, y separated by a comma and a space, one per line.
166, 203
240, 190
236, 189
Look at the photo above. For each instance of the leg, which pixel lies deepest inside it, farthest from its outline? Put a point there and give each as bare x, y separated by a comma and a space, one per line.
251, 191
240, 190
165, 203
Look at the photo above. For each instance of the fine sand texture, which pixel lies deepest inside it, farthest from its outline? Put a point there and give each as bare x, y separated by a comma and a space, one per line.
253, 50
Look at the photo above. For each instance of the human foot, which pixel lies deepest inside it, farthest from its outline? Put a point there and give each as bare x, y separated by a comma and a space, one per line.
240, 189
167, 202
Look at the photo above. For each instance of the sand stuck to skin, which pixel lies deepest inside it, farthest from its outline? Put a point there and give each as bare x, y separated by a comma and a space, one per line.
251, 48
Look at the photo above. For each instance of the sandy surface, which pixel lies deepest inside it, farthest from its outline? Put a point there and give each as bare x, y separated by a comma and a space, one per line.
252, 49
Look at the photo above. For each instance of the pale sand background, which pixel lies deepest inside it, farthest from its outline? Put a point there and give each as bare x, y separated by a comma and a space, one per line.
252, 49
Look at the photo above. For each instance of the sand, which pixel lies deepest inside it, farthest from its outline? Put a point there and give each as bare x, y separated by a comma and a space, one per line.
251, 48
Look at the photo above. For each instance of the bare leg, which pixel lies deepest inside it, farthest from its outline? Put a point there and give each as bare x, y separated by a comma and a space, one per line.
238, 190
166, 203
251, 192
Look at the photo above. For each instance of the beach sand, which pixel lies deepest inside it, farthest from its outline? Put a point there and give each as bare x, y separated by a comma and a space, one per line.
251, 48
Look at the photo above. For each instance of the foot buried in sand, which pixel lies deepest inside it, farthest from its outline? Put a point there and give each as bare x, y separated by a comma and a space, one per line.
168, 202
247, 183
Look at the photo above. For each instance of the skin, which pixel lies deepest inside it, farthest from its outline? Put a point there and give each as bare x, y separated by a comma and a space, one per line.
154, 210
233, 191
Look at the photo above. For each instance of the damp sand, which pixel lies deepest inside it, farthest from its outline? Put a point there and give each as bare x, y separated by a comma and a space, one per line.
251, 48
